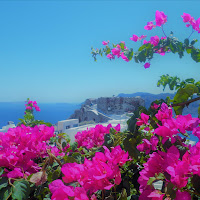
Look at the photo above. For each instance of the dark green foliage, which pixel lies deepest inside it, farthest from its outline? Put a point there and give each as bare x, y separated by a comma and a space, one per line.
146, 51
20, 190
186, 89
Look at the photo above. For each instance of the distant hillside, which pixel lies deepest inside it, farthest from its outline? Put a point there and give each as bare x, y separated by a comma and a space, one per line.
148, 98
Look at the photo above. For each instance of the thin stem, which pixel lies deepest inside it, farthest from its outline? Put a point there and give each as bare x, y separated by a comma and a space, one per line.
191, 192
186, 103
103, 194
191, 33
163, 31
115, 192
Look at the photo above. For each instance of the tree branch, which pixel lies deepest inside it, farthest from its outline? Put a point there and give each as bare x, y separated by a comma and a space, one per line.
186, 103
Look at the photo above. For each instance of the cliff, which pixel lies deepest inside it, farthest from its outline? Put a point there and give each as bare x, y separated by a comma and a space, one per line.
98, 109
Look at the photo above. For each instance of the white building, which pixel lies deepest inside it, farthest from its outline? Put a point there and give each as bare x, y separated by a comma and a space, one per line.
64, 125
9, 125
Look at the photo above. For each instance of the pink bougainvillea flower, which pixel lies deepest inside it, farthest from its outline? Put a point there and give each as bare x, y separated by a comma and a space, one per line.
105, 43
154, 40
163, 38
186, 17
177, 169
154, 165
147, 145
61, 191
164, 113
72, 172
147, 65
143, 119
110, 56
146, 42
94, 136
80, 194
142, 37
92, 175
28, 108
124, 57
186, 123
161, 18
196, 132
149, 26
16, 173
134, 38
147, 128
155, 106
37, 108
53, 186
31, 105
116, 51
21, 146
161, 52
164, 131
156, 195
182, 195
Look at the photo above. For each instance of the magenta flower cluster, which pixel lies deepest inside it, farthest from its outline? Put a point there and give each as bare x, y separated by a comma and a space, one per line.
102, 172
179, 168
94, 137
21, 146
32, 104
187, 18
160, 20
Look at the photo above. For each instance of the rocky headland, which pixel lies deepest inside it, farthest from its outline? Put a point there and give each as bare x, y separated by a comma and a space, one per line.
99, 110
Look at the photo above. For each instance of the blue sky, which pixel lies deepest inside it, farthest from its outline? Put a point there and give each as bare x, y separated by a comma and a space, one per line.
45, 48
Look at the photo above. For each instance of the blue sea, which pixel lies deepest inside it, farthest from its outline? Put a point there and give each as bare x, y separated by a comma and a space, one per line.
50, 112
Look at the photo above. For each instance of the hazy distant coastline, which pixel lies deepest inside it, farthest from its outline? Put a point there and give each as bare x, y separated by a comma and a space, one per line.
54, 112
148, 98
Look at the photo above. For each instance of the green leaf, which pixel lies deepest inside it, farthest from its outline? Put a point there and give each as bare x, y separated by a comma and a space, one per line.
3, 182
77, 156
130, 146
129, 54
194, 41
69, 159
199, 111
123, 194
173, 47
182, 95
122, 45
142, 56
5, 193
108, 142
190, 80
186, 41
160, 176
74, 146
1, 171
21, 190
195, 54
136, 58
188, 50
151, 180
